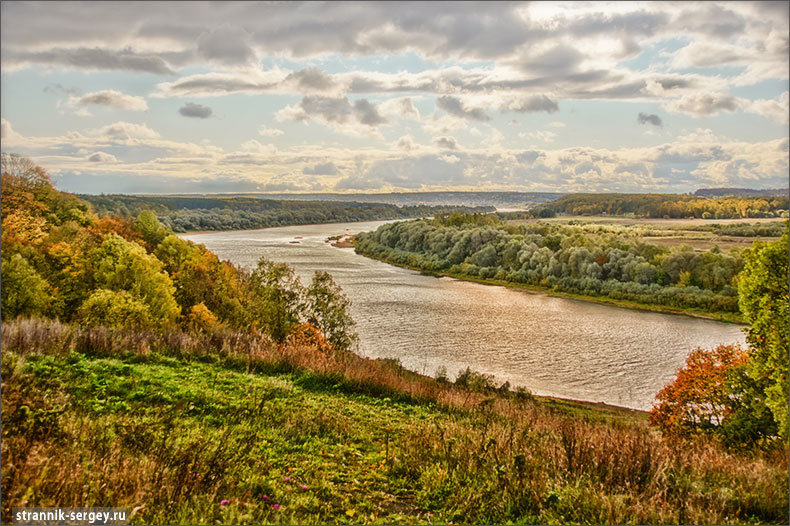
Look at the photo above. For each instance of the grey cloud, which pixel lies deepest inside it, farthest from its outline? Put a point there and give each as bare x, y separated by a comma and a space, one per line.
312, 79
530, 156
102, 157
559, 59
226, 44
321, 169
111, 98
59, 88
216, 85
455, 107
447, 143
710, 19
337, 110
533, 104
93, 59
644, 118
367, 113
407, 108
329, 108
704, 104
638, 23
669, 83
198, 111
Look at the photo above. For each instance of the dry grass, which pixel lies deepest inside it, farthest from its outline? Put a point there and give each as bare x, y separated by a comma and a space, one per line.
492, 457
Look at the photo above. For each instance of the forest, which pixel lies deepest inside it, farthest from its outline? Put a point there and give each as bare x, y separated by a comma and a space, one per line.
670, 206
62, 261
588, 260
186, 214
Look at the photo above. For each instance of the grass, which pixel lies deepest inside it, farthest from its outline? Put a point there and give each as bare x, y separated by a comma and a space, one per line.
230, 428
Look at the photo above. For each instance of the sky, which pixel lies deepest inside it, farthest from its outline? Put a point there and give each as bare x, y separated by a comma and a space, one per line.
209, 97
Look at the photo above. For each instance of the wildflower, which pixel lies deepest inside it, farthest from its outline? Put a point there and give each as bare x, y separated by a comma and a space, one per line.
286, 479
265, 497
276, 506
224, 502
303, 486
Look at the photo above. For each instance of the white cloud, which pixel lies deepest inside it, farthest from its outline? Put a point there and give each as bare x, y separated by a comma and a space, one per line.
270, 132
127, 130
705, 104
102, 157
777, 109
110, 98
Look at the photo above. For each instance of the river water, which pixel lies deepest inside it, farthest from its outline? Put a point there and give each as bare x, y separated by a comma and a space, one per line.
551, 346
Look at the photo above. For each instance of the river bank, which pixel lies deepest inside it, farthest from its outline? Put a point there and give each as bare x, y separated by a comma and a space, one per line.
600, 300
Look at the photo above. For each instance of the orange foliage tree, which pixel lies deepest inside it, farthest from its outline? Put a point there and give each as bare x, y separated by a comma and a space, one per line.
699, 399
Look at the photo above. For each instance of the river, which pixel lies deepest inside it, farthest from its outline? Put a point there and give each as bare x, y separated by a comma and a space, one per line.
552, 346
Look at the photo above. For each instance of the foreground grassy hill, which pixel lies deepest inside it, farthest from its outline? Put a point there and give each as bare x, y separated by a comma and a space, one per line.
228, 427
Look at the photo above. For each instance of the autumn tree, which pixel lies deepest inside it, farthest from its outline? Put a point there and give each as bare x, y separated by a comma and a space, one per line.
699, 398
114, 308
763, 291
274, 298
24, 291
121, 265
328, 310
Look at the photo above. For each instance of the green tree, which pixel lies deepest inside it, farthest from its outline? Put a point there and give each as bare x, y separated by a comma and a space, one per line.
327, 310
763, 291
24, 291
148, 225
113, 308
122, 265
275, 298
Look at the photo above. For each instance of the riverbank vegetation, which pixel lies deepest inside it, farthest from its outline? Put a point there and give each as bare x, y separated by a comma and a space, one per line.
612, 262
670, 206
140, 371
194, 213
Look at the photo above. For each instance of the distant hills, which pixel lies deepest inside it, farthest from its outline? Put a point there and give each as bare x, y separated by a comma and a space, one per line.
741, 192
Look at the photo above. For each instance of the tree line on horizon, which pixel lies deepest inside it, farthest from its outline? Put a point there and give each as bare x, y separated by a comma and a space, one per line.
185, 214
671, 206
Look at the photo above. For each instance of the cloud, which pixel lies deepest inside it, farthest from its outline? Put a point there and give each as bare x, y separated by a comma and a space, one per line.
127, 130
367, 113
218, 84
227, 44
534, 103
312, 79
777, 109
455, 107
190, 109
333, 110
543, 136
446, 143
644, 118
406, 143
91, 59
110, 98
102, 157
705, 104
321, 169
270, 132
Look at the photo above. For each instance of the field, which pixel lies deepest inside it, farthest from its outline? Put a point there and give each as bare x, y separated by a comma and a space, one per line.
227, 429
669, 232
